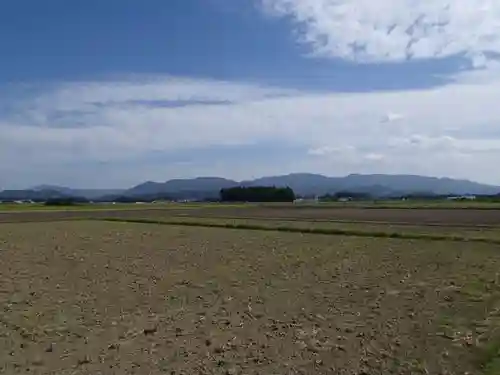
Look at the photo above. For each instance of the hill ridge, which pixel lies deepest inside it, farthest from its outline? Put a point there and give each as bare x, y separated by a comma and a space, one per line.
305, 184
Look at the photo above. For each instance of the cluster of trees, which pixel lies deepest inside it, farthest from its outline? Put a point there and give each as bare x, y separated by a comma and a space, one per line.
66, 201
359, 196
257, 194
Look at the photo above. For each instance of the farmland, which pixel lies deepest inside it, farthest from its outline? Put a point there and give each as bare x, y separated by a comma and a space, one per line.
458, 216
305, 290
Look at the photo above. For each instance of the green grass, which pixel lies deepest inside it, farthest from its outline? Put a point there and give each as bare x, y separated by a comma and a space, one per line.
93, 207
311, 230
491, 364
310, 225
41, 207
489, 355
479, 205
290, 221
482, 298
391, 204
10, 207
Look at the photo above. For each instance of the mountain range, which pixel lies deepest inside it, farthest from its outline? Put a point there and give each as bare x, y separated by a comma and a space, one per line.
308, 184
304, 184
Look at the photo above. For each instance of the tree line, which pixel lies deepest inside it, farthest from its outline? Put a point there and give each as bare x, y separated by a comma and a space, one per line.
257, 194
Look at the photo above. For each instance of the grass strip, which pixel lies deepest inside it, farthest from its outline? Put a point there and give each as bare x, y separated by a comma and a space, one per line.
489, 359
324, 231
390, 206
336, 221
492, 359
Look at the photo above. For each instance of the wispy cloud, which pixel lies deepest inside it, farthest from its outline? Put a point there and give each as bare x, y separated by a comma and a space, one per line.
86, 96
449, 130
395, 30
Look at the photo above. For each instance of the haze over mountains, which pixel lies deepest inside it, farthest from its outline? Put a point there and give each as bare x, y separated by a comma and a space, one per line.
86, 193
304, 184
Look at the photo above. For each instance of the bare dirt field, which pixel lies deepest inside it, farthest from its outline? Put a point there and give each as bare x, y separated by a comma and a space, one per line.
119, 298
477, 233
432, 216
390, 215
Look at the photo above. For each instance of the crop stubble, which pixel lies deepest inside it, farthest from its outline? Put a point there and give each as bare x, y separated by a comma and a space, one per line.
93, 297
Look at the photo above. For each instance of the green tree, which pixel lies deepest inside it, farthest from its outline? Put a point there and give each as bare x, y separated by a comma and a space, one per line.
257, 194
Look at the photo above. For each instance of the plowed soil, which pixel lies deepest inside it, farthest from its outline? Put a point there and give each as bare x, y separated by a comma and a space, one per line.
447, 217
117, 298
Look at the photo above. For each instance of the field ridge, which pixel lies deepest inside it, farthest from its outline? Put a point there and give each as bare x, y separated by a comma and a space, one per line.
319, 231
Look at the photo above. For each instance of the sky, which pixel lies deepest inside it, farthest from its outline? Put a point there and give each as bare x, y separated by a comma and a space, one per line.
112, 93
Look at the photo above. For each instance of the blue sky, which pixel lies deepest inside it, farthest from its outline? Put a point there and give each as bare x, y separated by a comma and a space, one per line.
112, 93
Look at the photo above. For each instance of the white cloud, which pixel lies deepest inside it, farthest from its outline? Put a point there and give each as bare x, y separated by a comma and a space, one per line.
83, 97
374, 156
391, 117
439, 131
336, 151
395, 30
327, 150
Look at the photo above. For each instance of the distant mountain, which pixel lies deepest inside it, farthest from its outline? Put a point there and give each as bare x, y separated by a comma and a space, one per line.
376, 184
146, 188
415, 184
85, 193
301, 183
304, 184
35, 195
197, 188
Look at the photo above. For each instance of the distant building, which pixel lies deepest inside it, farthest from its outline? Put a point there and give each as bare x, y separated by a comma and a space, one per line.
462, 198
306, 200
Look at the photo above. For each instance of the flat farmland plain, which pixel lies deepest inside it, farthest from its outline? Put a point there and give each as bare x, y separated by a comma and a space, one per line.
93, 297
416, 216
473, 233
